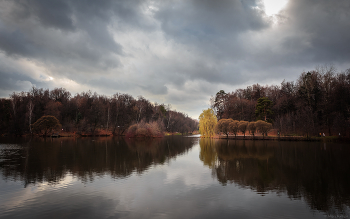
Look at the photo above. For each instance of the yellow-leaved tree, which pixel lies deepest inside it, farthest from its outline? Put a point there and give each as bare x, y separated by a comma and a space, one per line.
207, 123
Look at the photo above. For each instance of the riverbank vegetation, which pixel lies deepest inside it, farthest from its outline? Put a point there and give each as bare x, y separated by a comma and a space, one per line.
227, 126
144, 130
88, 113
318, 102
45, 125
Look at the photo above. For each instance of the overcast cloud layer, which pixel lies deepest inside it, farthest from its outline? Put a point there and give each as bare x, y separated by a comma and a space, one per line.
177, 51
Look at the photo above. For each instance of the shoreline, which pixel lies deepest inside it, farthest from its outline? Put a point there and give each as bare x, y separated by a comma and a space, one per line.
97, 134
286, 138
230, 137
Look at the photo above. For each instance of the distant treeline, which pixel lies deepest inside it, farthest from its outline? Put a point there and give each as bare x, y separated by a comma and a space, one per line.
319, 101
87, 112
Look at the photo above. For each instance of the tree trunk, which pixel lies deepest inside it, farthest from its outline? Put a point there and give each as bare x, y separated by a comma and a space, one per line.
30, 115
329, 127
107, 118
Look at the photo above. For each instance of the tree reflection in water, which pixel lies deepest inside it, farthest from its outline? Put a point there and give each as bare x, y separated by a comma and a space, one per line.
315, 172
50, 160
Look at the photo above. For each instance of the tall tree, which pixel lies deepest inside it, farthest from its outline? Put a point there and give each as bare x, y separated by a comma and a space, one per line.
207, 123
30, 114
263, 108
219, 103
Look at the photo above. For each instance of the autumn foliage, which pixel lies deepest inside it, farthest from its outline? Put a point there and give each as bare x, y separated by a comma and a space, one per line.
223, 126
145, 130
45, 125
227, 126
207, 123
87, 112
318, 101
252, 128
263, 127
243, 126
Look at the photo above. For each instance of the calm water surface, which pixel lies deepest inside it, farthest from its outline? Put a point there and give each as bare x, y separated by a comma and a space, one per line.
172, 177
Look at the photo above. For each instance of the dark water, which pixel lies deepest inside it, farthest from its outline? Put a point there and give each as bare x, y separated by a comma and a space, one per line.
173, 177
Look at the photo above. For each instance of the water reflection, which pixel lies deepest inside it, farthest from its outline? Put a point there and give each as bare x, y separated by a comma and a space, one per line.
50, 160
132, 178
314, 172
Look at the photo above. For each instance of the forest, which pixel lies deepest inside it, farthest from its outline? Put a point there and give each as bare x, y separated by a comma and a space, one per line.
88, 112
317, 102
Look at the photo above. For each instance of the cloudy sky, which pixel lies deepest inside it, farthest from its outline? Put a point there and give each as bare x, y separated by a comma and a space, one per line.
177, 52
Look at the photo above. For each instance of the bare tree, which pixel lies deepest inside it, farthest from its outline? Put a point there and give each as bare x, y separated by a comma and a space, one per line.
30, 114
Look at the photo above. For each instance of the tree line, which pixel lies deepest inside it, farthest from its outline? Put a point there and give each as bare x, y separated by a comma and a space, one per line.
209, 126
318, 102
87, 112
227, 126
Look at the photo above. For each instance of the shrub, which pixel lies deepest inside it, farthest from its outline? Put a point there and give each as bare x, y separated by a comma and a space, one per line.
145, 130
46, 124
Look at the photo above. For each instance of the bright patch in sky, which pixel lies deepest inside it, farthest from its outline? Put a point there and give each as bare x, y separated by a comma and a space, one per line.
274, 6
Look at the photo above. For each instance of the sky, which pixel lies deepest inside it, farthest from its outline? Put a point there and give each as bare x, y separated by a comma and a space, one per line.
178, 52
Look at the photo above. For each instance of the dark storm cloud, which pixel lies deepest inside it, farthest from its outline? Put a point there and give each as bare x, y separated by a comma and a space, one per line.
209, 19
63, 14
182, 50
53, 13
212, 28
14, 42
327, 25
309, 32
60, 31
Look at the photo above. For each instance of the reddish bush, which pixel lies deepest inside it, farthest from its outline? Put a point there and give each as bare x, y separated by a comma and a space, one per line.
145, 130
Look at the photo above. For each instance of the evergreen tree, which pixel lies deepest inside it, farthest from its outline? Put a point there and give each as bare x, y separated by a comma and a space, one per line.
263, 108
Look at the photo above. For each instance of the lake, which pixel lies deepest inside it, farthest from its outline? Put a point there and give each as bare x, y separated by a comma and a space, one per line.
172, 177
